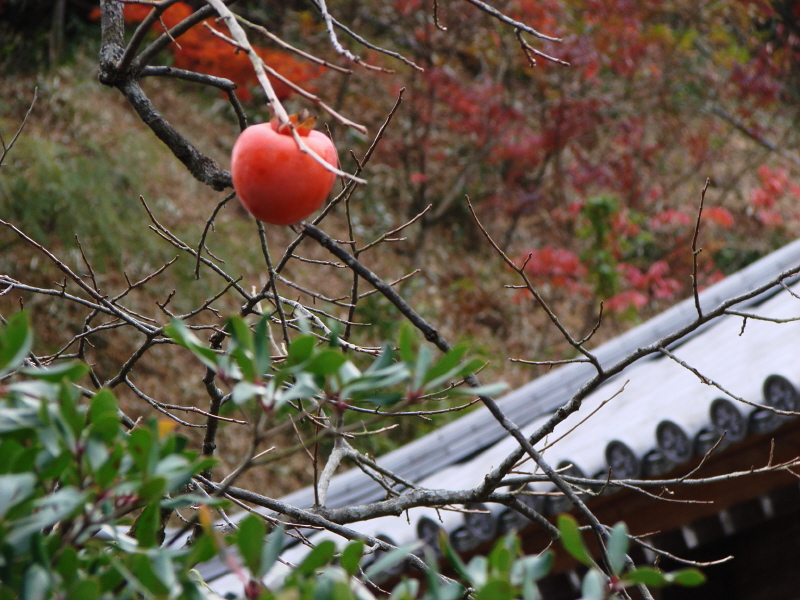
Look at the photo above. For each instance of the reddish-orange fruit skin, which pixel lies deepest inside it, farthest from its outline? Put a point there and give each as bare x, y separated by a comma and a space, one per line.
275, 181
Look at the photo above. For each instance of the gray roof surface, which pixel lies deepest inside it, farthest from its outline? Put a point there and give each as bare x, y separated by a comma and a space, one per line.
477, 430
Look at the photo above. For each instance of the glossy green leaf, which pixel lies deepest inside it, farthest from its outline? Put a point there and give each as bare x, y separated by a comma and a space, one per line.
321, 555
300, 350
350, 558
16, 340
325, 363
164, 569
51, 509
202, 550
649, 576
103, 416
688, 577
406, 343
448, 363
572, 540
240, 333
250, 538
145, 529
16, 419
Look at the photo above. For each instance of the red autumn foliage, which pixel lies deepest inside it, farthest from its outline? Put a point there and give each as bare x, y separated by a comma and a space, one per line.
719, 216
557, 267
201, 51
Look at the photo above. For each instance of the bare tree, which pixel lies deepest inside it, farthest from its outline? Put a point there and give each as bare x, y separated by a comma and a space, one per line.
123, 63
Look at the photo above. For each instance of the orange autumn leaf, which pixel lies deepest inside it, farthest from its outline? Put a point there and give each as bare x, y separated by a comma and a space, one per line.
201, 51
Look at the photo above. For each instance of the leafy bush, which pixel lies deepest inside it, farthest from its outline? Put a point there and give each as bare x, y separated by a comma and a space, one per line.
84, 503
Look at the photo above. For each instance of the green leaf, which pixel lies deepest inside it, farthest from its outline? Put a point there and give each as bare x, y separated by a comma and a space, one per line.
142, 450
325, 363
164, 569
14, 489
50, 510
478, 571
496, 589
407, 341
304, 387
450, 591
15, 419
145, 529
261, 353
501, 559
85, 589
36, 584
618, 548
271, 551
351, 557
446, 364
240, 332
16, 340
71, 371
244, 391
572, 540
490, 389
183, 336
250, 539
532, 568
318, 557
688, 577
67, 565
458, 372
405, 590
421, 366
649, 576
142, 570
385, 359
595, 585
103, 418
300, 350
530, 591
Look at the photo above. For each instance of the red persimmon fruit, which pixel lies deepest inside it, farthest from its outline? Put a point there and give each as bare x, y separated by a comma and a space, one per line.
276, 182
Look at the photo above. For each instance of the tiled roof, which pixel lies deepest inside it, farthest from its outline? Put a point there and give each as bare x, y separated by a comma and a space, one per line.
658, 413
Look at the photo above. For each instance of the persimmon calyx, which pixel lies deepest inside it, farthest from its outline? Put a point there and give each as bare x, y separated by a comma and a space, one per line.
302, 128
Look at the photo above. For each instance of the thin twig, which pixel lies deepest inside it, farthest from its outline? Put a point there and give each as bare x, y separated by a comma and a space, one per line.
696, 251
